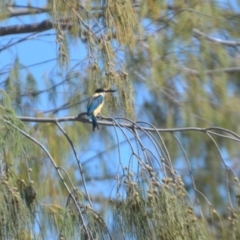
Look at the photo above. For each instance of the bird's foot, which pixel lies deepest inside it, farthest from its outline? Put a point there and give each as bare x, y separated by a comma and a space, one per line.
100, 116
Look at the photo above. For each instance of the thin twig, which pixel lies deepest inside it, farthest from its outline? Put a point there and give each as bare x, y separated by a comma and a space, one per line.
78, 161
226, 168
190, 171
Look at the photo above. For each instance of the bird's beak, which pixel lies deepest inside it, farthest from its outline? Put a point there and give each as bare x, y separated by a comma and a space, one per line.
110, 90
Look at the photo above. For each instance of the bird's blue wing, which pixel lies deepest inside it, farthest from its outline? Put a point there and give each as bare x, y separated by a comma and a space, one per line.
93, 103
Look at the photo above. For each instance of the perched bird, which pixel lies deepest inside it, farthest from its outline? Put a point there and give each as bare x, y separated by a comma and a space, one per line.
95, 104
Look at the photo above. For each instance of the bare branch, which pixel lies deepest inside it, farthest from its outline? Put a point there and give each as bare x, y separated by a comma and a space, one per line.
112, 122
191, 175
226, 168
78, 161
29, 66
219, 70
17, 11
199, 34
29, 28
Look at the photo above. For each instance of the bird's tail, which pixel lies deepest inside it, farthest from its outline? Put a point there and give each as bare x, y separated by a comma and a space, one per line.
94, 122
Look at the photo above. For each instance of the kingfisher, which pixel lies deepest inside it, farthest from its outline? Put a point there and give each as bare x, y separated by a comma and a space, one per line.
95, 105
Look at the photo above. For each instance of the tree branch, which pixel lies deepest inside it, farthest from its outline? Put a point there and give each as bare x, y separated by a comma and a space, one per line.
78, 161
219, 70
198, 34
15, 11
112, 122
35, 27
